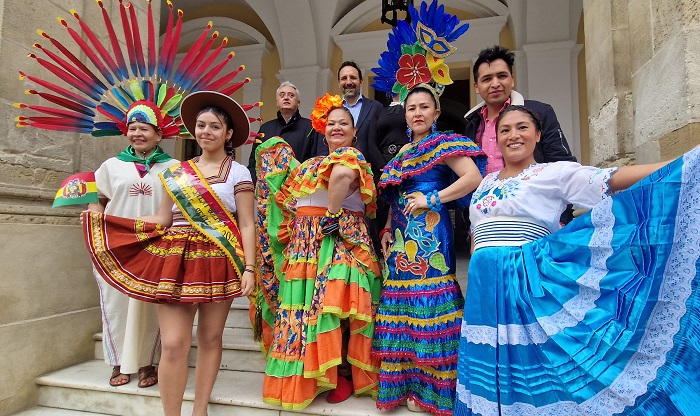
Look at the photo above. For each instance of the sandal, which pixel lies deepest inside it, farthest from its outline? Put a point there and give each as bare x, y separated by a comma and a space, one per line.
148, 376
413, 406
117, 378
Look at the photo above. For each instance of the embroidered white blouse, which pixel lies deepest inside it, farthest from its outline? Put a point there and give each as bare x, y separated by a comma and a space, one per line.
540, 192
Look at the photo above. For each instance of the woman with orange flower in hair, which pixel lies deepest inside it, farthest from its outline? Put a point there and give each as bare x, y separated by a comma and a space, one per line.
329, 278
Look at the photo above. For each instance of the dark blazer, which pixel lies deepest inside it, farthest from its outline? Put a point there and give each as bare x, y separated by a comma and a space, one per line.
552, 147
387, 135
368, 112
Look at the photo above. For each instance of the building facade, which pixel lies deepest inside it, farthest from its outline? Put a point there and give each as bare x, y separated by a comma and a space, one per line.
622, 75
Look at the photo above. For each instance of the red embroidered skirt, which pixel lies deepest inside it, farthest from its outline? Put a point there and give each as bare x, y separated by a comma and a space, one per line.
156, 264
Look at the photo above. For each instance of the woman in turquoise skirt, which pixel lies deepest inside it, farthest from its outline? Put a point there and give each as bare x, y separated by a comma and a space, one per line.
598, 318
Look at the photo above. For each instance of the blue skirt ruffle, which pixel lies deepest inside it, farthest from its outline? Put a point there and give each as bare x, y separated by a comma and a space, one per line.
598, 318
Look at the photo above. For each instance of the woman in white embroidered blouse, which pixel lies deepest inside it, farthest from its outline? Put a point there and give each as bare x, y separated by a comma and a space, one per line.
569, 321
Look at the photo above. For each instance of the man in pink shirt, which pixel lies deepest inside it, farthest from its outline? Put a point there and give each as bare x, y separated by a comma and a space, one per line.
493, 81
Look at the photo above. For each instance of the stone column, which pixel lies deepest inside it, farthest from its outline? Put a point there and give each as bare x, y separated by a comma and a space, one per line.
49, 305
643, 78
665, 72
609, 83
551, 76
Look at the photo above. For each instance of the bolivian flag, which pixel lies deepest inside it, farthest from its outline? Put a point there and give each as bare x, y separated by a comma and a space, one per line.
77, 189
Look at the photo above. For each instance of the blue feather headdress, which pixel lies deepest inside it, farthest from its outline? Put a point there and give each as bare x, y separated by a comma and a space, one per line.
416, 52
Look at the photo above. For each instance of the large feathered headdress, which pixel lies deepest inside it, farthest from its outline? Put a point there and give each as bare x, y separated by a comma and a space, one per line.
416, 51
113, 86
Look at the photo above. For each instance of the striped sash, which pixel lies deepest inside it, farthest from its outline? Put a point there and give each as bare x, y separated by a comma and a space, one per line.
507, 231
203, 209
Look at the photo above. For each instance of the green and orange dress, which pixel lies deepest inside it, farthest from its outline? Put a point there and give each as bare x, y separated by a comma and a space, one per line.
324, 285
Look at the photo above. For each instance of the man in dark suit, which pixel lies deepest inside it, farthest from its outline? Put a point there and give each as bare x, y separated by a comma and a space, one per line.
363, 109
387, 135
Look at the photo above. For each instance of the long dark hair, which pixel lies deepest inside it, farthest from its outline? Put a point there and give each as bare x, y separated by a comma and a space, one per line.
225, 118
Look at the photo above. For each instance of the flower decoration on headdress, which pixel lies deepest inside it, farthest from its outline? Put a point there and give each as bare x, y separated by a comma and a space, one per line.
416, 52
324, 105
110, 83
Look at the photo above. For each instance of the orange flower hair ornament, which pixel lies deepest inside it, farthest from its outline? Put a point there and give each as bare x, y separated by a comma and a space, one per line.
324, 105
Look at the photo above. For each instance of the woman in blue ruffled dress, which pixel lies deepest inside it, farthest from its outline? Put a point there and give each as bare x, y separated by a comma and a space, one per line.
420, 310
598, 318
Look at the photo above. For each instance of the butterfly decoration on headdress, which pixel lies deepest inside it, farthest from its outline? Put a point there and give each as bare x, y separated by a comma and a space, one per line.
416, 51
120, 81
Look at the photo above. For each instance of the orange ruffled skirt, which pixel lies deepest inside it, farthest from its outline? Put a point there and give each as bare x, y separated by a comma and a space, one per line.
330, 282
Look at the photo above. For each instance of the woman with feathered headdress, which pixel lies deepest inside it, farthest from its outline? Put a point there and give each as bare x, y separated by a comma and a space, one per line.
420, 309
206, 258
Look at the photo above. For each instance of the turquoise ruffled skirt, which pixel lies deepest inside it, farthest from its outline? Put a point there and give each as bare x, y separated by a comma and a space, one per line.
598, 318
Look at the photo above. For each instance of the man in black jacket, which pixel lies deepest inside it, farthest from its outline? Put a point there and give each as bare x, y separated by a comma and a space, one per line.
493, 81
289, 125
387, 135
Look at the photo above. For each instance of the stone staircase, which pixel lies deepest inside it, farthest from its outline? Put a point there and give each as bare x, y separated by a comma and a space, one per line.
83, 389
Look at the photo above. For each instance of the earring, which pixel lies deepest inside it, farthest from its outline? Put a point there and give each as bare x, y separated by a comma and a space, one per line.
325, 142
354, 141
409, 133
433, 128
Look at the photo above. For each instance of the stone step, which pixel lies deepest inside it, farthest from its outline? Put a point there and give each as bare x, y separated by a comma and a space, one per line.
238, 317
84, 388
240, 352
51, 411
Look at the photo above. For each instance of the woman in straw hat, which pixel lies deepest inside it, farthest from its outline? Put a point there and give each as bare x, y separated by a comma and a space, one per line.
202, 260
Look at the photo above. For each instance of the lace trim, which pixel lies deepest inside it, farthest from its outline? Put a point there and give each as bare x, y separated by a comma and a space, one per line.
664, 321
484, 407
576, 308
662, 327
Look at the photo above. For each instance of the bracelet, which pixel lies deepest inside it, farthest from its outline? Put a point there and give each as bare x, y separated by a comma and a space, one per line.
384, 231
248, 270
336, 215
429, 198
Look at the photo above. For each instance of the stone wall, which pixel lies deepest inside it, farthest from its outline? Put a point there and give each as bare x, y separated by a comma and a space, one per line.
49, 304
643, 78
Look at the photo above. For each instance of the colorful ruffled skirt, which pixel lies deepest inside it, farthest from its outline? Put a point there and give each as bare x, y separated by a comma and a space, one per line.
327, 280
155, 264
420, 310
598, 318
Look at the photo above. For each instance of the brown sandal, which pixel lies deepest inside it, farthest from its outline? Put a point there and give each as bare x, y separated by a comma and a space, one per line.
148, 376
115, 377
